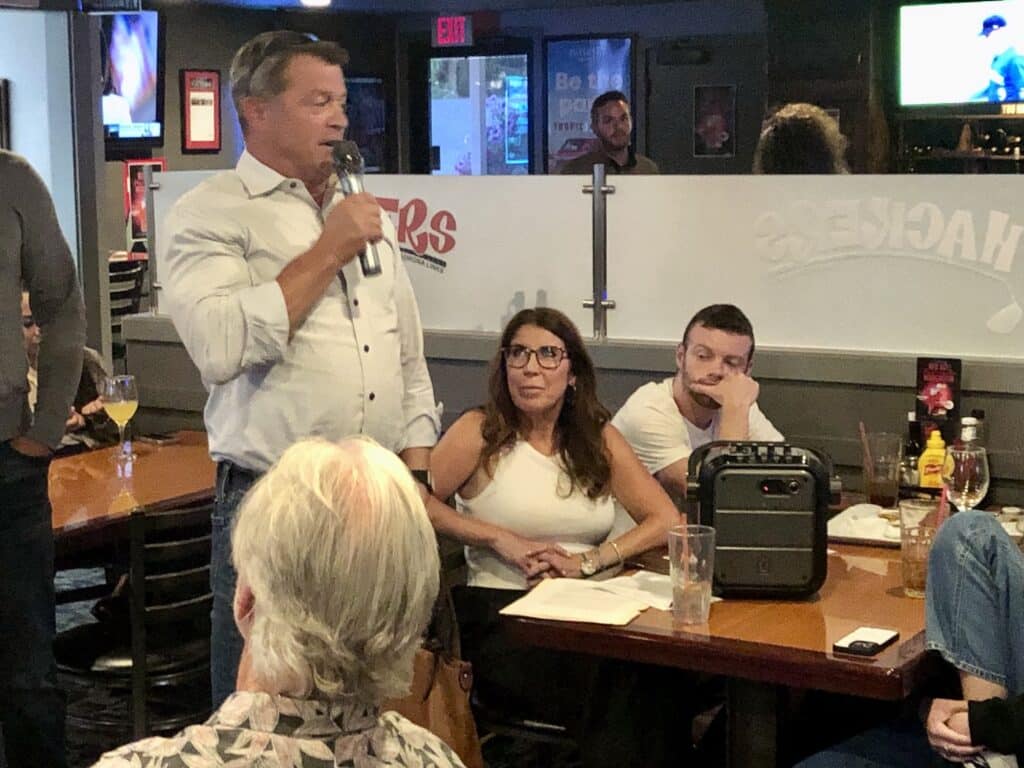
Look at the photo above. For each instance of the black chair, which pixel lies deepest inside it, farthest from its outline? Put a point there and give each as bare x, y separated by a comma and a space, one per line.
153, 644
127, 279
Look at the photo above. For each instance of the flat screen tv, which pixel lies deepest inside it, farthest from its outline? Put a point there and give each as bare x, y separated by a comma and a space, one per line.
132, 105
967, 55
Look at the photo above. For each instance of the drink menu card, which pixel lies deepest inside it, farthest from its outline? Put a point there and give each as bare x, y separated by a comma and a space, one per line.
938, 396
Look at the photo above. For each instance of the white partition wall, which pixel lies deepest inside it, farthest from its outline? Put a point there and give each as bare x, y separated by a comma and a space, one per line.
477, 249
916, 264
891, 264
480, 249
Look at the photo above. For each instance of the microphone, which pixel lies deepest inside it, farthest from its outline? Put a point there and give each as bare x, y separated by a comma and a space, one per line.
348, 164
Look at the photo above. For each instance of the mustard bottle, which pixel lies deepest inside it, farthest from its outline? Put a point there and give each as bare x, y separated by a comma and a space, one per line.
929, 466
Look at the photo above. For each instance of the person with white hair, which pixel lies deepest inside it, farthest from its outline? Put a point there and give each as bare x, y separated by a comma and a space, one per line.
337, 575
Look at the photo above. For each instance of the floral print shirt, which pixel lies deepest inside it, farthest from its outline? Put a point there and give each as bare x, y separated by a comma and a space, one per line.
258, 729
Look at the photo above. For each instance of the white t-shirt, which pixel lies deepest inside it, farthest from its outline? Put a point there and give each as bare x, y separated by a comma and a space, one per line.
527, 495
660, 435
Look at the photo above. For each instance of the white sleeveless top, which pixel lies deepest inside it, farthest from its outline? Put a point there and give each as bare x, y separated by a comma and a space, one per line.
527, 495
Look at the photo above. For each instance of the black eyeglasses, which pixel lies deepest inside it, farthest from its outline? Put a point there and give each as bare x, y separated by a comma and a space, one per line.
548, 356
27, 321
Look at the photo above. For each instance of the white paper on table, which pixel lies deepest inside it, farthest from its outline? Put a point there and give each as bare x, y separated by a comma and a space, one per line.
861, 521
575, 600
652, 589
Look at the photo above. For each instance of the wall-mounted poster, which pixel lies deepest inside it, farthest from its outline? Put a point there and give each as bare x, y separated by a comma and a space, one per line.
200, 110
135, 196
367, 119
714, 121
579, 69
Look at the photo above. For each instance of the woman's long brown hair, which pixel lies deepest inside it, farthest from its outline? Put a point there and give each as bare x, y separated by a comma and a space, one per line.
578, 431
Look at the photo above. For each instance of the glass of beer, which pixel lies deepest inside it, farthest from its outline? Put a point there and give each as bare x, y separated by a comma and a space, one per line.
120, 399
918, 524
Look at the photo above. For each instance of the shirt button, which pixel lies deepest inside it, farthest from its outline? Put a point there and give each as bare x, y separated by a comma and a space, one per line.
355, 302
372, 396
366, 347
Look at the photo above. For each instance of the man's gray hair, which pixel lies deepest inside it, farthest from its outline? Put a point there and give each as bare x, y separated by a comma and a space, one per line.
258, 68
342, 560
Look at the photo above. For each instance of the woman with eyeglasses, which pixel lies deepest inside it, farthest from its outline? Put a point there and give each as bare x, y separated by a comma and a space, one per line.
534, 472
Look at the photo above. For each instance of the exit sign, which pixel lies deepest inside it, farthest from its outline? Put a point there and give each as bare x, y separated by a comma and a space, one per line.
452, 30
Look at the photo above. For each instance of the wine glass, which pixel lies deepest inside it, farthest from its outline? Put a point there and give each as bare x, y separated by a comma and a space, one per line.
965, 475
120, 398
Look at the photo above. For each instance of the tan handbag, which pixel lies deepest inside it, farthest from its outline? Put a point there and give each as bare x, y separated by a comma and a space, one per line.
441, 684
439, 702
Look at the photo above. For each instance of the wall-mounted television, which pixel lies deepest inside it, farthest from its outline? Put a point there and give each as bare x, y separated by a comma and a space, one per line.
962, 56
132, 106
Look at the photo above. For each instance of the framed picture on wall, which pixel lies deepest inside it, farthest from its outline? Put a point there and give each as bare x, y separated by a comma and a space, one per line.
714, 120
200, 110
133, 174
577, 71
5, 114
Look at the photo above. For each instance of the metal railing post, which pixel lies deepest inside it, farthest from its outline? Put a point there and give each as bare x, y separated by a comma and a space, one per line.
599, 301
152, 270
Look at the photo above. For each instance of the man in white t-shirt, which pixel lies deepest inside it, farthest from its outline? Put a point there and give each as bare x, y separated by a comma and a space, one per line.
711, 397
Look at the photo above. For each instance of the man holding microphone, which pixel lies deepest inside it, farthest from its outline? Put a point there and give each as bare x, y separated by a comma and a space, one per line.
262, 282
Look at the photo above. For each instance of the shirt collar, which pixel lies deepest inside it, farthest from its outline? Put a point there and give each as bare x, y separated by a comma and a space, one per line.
285, 716
258, 178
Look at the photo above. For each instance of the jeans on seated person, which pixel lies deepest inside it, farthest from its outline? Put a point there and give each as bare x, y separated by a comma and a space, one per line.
31, 705
975, 586
225, 641
975, 602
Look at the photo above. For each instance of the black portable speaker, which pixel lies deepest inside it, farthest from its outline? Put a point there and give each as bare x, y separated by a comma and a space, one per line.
768, 503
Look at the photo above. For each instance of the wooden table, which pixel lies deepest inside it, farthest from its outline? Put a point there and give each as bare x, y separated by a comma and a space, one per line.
763, 646
91, 493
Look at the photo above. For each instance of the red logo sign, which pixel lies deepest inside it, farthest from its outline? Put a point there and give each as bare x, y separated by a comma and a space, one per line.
421, 234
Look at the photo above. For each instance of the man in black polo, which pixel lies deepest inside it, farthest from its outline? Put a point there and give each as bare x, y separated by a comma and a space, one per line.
612, 124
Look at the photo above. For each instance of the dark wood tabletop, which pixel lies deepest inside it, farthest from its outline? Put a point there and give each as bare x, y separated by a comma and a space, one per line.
89, 491
786, 643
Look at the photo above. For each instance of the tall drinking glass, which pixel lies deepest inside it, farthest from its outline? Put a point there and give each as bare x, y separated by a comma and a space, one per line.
883, 453
120, 398
691, 554
965, 475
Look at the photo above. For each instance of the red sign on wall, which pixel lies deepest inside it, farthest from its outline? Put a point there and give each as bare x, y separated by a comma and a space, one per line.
452, 30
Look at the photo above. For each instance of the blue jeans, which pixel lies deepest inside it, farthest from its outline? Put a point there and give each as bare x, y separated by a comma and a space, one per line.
975, 606
31, 705
973, 612
225, 641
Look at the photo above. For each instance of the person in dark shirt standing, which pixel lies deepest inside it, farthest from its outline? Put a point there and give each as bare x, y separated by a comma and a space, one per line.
612, 123
33, 253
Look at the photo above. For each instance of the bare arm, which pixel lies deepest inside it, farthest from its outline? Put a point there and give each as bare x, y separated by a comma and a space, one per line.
349, 226
641, 496
674, 477
736, 393
453, 462
416, 458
